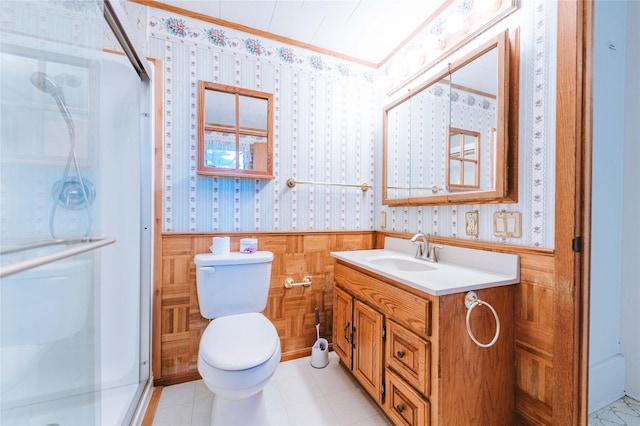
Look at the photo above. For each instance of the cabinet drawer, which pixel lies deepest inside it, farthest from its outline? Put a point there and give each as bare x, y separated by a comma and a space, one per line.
403, 404
409, 356
405, 308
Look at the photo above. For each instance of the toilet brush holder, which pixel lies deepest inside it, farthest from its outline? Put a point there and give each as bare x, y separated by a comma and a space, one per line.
320, 354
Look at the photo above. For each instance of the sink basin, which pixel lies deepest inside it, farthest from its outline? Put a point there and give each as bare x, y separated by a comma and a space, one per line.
458, 269
400, 263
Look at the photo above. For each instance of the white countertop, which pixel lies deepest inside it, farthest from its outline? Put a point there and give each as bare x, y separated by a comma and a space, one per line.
458, 269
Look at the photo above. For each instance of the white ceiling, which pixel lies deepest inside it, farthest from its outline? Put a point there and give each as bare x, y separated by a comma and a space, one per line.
368, 30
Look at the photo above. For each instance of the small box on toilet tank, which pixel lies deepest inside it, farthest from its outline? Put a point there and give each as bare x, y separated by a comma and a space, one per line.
248, 245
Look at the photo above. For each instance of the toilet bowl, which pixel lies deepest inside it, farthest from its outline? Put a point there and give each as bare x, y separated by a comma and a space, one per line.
240, 348
238, 355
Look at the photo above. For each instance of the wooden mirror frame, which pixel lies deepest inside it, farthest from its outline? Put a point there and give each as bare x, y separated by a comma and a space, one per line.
237, 130
506, 137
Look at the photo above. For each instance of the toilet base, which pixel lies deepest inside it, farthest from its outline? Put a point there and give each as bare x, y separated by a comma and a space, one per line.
239, 412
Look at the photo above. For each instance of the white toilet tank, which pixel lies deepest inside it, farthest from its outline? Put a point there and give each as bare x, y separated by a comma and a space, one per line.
233, 283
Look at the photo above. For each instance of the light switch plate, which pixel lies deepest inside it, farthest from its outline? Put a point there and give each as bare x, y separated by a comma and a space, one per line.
507, 224
471, 223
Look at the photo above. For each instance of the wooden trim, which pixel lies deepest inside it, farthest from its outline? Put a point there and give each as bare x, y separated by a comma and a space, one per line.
588, 22
474, 91
157, 220
150, 413
569, 203
511, 189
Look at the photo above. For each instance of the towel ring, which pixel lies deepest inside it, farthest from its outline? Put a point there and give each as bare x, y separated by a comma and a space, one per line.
471, 301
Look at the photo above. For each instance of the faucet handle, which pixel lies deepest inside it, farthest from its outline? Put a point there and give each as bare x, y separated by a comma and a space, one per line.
433, 253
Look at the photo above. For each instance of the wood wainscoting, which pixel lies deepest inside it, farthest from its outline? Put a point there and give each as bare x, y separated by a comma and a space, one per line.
177, 321
178, 327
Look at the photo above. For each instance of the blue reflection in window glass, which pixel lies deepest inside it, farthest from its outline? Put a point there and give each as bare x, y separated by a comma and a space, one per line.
223, 158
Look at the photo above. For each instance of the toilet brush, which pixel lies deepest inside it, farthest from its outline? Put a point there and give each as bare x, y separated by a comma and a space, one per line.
317, 324
319, 351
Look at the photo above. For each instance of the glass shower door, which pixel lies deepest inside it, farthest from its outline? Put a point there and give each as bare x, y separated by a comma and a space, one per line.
74, 219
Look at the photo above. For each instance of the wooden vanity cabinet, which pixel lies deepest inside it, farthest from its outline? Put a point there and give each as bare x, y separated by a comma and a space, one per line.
358, 341
411, 351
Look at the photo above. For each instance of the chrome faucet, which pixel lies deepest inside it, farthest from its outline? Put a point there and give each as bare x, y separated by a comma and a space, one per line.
424, 250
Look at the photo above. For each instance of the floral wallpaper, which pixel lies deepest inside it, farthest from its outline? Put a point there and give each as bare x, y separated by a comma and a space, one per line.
202, 33
329, 128
325, 129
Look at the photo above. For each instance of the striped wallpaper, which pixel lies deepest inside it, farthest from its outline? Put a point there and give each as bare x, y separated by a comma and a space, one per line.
328, 125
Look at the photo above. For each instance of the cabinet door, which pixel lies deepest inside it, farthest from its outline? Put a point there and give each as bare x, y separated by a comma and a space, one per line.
342, 311
367, 349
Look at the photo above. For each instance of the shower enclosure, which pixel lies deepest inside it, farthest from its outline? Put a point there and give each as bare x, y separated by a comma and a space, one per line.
75, 216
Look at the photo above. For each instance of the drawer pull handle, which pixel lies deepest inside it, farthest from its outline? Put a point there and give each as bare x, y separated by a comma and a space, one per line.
400, 408
400, 354
346, 335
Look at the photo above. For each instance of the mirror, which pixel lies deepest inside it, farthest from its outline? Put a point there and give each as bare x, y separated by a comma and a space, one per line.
447, 141
234, 131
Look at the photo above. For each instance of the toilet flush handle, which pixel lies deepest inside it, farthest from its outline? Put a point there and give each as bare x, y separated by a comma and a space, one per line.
208, 269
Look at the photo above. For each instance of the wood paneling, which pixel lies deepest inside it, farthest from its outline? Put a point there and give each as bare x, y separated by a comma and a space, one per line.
292, 310
179, 322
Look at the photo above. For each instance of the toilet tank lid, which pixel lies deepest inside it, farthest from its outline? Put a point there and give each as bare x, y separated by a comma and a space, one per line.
233, 258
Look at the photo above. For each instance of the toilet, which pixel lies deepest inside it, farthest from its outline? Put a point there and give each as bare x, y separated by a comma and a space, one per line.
240, 348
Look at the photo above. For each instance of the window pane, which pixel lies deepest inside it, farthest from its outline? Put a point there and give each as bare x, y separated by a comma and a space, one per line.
470, 173
254, 150
253, 113
220, 108
454, 172
470, 145
220, 151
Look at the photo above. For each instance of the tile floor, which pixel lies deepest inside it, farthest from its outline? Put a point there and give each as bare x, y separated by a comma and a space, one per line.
297, 395
301, 395
623, 412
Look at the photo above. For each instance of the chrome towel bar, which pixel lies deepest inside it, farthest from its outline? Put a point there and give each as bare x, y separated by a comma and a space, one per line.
291, 183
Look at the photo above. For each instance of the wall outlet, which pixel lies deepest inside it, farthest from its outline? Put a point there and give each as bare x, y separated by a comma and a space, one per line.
471, 221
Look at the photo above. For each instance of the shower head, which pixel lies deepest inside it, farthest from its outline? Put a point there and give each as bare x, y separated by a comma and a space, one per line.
52, 87
45, 84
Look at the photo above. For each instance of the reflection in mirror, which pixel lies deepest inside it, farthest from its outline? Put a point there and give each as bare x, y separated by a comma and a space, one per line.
398, 151
234, 131
463, 153
474, 91
420, 164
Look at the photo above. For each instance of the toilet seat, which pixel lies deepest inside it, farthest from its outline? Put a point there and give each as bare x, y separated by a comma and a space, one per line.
239, 342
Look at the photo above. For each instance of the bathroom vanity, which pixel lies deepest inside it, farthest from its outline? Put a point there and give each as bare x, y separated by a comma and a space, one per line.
400, 327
